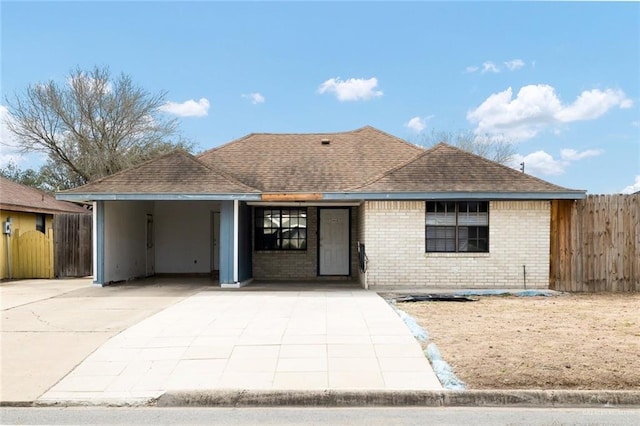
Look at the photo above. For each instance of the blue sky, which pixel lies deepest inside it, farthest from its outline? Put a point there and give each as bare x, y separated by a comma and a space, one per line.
559, 80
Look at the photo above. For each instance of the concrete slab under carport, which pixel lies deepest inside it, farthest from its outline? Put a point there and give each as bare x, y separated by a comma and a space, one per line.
48, 327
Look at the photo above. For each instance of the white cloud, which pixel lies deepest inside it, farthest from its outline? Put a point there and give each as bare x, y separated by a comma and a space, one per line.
539, 162
188, 108
573, 155
10, 151
635, 187
489, 67
543, 163
514, 64
255, 98
537, 107
592, 104
353, 89
6, 137
93, 84
8, 143
418, 124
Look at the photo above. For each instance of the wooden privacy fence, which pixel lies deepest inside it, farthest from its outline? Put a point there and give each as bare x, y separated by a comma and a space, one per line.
72, 245
31, 254
595, 244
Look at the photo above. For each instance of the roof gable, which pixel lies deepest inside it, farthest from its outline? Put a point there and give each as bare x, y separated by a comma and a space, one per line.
304, 163
445, 168
17, 197
177, 172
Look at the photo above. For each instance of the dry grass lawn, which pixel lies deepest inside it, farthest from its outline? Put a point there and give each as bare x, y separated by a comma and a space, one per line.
577, 341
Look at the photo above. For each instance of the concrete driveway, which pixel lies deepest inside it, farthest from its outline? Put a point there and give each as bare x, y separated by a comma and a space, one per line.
130, 344
48, 327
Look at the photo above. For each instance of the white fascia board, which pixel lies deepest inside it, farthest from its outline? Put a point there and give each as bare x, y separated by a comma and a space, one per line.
569, 195
339, 198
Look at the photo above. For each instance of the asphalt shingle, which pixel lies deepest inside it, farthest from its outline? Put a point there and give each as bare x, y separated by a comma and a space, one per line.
22, 198
177, 172
303, 163
445, 168
362, 160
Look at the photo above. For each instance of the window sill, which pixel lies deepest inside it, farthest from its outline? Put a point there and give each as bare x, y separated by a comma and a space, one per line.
460, 254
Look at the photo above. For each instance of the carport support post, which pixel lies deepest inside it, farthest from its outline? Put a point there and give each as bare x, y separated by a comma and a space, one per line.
229, 243
98, 243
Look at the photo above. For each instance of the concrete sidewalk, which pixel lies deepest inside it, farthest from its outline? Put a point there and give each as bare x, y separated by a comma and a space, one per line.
262, 340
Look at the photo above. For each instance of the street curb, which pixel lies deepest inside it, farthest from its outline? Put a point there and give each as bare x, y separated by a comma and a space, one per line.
362, 398
355, 398
16, 403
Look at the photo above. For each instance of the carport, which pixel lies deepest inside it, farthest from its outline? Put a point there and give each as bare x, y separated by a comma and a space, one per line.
170, 215
170, 236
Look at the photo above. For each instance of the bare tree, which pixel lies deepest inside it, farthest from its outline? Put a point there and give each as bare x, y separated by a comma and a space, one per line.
90, 126
500, 151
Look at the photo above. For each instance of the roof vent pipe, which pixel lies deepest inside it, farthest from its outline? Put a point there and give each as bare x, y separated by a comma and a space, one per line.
325, 141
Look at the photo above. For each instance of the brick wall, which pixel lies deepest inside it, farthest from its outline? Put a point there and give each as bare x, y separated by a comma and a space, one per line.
518, 235
303, 264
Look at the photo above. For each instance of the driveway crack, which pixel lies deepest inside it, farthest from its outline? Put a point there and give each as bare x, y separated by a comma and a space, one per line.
40, 319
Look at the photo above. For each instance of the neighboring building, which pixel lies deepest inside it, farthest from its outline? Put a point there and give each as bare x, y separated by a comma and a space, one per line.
26, 214
314, 207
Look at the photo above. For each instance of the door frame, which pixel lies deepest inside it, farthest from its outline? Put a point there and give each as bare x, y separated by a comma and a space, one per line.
150, 244
215, 242
348, 209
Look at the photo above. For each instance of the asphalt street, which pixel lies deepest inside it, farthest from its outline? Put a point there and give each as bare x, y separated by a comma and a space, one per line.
370, 416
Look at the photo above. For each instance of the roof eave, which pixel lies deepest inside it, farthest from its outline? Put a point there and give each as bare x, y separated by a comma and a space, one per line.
98, 196
327, 196
45, 210
456, 195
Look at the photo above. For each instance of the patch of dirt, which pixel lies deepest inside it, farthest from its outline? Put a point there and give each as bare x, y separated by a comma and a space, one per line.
577, 341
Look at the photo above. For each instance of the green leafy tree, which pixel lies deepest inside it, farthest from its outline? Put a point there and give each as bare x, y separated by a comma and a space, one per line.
91, 126
27, 177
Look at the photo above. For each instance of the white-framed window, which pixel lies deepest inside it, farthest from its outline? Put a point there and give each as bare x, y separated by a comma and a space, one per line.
457, 226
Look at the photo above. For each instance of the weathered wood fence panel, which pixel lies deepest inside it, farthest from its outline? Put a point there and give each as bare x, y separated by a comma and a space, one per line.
595, 244
72, 245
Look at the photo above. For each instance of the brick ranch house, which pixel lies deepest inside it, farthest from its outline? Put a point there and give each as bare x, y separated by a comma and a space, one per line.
308, 207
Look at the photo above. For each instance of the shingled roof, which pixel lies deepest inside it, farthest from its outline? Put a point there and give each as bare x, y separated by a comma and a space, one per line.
21, 198
177, 172
445, 168
342, 165
317, 162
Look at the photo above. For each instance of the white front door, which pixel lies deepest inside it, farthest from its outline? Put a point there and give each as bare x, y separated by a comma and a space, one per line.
334, 242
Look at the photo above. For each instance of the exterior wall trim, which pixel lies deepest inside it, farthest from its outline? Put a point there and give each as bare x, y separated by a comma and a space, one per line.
463, 195
235, 240
359, 197
98, 242
154, 197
